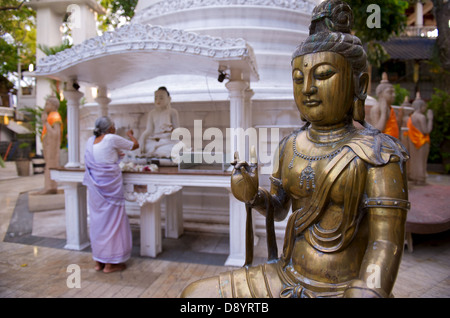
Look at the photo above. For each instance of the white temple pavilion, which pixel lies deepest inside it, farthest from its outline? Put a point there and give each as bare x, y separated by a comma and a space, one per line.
183, 45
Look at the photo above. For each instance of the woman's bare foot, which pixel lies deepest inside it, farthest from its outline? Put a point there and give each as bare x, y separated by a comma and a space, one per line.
110, 268
99, 266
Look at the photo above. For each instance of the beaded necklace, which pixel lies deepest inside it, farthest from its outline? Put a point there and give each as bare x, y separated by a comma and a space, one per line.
308, 175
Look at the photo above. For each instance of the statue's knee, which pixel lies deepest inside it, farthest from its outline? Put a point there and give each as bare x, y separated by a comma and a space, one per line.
204, 288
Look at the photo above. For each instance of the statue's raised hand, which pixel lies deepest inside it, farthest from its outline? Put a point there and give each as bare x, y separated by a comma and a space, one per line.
244, 178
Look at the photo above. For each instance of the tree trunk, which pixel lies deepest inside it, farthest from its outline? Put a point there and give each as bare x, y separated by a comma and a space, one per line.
441, 11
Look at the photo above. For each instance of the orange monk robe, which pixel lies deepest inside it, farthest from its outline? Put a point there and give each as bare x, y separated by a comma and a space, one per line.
392, 125
415, 135
53, 118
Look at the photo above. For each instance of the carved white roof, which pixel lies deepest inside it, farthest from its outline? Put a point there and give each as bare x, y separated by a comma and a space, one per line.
137, 52
148, 9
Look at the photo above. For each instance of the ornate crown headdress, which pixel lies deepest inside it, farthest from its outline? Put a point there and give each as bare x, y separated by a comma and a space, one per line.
330, 30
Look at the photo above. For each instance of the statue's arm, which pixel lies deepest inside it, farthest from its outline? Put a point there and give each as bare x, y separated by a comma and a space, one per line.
276, 200
387, 206
422, 123
52, 141
175, 119
378, 118
54, 130
245, 187
148, 131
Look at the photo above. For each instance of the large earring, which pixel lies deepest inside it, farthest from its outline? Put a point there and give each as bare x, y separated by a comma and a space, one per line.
359, 112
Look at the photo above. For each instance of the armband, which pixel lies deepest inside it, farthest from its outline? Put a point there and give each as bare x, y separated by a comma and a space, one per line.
387, 203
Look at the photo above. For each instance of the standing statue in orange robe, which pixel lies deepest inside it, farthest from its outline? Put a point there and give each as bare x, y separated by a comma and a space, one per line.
382, 115
419, 128
51, 141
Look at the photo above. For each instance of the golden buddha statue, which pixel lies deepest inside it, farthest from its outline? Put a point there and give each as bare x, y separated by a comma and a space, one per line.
347, 186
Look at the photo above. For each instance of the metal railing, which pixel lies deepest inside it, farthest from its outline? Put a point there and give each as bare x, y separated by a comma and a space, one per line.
425, 31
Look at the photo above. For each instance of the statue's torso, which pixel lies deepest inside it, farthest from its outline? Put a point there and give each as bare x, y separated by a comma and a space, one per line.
337, 258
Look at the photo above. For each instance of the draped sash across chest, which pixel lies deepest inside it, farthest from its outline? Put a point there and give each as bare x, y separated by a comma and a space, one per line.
304, 217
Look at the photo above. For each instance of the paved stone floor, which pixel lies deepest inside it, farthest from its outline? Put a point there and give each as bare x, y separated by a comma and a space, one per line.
33, 262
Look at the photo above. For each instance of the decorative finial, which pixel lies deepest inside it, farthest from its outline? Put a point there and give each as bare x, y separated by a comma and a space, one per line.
384, 78
406, 101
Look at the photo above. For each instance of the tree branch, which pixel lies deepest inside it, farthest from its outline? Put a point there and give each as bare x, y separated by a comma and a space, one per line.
13, 8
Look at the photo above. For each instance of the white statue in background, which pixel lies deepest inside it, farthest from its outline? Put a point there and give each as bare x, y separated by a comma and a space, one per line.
161, 121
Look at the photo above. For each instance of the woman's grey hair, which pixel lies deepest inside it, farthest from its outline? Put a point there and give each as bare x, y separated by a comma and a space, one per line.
330, 31
102, 124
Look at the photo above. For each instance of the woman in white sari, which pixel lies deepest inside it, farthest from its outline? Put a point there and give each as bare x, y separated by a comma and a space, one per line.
110, 231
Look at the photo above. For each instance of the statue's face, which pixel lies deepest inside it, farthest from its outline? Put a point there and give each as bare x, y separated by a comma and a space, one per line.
323, 87
50, 106
162, 100
388, 94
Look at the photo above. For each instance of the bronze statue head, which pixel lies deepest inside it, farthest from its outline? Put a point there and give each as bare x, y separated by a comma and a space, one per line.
330, 32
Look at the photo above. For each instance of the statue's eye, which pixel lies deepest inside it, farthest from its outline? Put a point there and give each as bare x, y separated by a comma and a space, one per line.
297, 76
324, 72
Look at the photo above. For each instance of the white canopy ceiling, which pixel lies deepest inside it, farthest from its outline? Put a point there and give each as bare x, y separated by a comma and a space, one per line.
139, 52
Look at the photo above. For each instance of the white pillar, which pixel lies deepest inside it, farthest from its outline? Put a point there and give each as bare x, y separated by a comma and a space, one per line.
73, 125
236, 90
174, 215
248, 107
103, 101
151, 239
240, 100
419, 14
76, 216
237, 232
82, 22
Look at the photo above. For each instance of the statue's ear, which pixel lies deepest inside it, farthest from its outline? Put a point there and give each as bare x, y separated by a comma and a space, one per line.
363, 85
360, 97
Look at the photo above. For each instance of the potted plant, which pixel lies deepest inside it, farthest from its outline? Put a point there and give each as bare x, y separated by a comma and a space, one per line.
23, 159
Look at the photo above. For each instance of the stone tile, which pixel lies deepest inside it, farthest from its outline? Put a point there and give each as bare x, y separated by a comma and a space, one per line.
36, 264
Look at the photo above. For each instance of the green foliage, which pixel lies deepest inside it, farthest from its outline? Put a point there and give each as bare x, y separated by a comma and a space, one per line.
8, 57
63, 112
440, 135
33, 116
400, 94
17, 37
376, 54
392, 19
17, 29
24, 145
23, 151
117, 11
52, 50
392, 22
